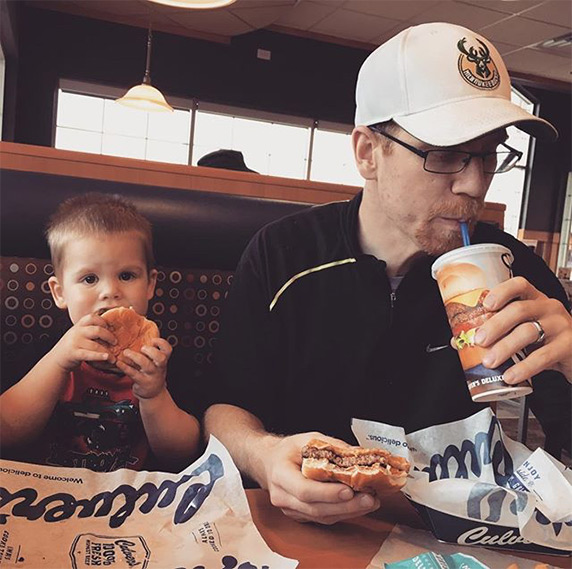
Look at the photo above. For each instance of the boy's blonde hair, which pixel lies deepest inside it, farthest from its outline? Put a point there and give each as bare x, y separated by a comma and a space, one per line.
95, 214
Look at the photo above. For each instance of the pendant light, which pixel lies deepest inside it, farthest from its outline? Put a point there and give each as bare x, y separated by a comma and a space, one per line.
195, 4
145, 97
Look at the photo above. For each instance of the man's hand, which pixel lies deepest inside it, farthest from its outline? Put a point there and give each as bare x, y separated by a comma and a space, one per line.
517, 303
308, 500
148, 368
80, 343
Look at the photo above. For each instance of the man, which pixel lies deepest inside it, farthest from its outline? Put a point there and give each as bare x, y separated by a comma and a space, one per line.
334, 313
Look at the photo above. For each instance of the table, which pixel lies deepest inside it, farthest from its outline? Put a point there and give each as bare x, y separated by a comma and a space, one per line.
345, 545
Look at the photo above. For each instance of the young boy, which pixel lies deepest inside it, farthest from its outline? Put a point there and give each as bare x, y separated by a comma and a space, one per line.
74, 414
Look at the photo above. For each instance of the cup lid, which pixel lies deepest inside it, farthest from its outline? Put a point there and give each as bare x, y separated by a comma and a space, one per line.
465, 253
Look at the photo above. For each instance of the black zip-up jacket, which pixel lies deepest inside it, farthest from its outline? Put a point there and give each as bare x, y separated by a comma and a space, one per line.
312, 335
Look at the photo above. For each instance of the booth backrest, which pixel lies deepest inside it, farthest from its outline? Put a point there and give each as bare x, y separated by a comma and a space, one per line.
198, 240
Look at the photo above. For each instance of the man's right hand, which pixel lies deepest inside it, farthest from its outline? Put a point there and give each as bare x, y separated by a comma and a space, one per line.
80, 343
300, 498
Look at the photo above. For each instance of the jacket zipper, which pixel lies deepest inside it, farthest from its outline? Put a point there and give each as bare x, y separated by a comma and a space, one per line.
392, 300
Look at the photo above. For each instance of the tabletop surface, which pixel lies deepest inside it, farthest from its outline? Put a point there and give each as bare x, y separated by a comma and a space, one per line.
345, 545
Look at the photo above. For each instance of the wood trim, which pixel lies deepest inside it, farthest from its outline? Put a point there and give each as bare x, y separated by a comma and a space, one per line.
23, 157
14, 156
548, 244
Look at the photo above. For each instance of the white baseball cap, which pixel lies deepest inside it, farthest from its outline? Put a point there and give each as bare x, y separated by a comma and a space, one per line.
442, 83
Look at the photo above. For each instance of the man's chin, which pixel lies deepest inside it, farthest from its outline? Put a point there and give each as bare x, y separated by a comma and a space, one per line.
438, 245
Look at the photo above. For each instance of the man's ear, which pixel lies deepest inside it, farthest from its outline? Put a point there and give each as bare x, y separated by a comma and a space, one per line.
57, 292
152, 283
364, 143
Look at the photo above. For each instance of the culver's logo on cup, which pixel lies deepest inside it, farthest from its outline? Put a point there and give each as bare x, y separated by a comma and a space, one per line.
465, 277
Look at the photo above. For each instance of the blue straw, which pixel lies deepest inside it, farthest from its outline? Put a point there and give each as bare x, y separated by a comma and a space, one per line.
465, 233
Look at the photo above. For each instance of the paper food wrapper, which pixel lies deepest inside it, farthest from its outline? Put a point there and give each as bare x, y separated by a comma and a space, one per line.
460, 484
60, 518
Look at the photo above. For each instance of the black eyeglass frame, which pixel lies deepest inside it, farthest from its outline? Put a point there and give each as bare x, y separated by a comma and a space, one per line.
424, 153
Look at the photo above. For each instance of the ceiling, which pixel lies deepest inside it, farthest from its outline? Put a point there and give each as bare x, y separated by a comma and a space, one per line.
516, 27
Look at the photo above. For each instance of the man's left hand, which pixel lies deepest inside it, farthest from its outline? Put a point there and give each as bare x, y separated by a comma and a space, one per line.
517, 305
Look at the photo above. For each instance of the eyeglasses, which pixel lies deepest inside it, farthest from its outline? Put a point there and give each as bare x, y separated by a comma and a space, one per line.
453, 161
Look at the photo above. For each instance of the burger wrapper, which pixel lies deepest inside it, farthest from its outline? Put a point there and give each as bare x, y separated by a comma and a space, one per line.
60, 518
460, 484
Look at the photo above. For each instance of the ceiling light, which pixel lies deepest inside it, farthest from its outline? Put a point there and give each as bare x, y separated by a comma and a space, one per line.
564, 40
145, 97
195, 4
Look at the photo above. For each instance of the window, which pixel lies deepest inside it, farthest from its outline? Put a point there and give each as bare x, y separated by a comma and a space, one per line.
333, 158
509, 188
268, 147
95, 124
565, 248
89, 120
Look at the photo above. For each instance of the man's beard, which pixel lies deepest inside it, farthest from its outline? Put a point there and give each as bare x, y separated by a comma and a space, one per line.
438, 241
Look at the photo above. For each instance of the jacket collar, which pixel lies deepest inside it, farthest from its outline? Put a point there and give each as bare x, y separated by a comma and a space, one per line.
350, 223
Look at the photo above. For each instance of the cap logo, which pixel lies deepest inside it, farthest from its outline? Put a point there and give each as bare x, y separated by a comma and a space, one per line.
476, 66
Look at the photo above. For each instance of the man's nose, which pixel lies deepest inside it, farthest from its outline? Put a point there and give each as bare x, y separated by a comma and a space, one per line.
472, 181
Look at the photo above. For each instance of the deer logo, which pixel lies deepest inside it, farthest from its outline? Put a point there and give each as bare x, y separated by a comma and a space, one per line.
476, 65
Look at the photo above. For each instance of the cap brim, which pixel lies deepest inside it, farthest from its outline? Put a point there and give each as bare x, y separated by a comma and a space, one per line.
455, 123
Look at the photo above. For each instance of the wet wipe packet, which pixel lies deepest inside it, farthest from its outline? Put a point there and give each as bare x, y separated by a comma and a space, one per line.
431, 560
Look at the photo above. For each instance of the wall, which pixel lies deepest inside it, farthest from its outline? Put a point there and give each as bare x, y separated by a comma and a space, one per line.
9, 39
552, 162
305, 77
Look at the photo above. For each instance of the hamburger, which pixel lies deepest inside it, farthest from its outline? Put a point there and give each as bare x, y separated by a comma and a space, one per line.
371, 470
464, 288
132, 332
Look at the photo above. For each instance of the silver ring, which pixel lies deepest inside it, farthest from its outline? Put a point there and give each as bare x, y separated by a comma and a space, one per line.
541, 333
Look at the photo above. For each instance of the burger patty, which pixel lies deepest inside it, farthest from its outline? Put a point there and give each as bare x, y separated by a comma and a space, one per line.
459, 313
358, 459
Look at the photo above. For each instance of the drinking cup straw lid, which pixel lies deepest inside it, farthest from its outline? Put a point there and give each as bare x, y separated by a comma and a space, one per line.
465, 234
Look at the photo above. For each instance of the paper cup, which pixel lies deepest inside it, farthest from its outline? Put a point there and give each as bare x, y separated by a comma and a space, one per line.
465, 277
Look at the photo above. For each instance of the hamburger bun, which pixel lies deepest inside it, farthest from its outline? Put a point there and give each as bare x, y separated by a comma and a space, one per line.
132, 332
460, 278
371, 470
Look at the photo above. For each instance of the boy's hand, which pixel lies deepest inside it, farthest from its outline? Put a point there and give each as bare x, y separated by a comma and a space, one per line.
148, 368
79, 343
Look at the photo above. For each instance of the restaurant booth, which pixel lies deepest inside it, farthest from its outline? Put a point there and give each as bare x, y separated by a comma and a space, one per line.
202, 220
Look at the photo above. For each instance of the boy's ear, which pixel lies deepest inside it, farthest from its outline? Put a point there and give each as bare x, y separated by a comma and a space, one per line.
152, 283
364, 143
57, 292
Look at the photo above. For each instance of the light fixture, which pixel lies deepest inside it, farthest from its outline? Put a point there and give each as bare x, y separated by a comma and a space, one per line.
195, 4
561, 41
145, 97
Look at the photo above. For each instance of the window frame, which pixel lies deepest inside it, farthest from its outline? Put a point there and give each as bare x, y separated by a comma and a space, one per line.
195, 105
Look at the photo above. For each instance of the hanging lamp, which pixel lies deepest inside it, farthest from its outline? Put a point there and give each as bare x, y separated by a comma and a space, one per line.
195, 4
145, 97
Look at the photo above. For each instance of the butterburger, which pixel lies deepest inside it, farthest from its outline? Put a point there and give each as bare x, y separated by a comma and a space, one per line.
132, 332
464, 288
371, 470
